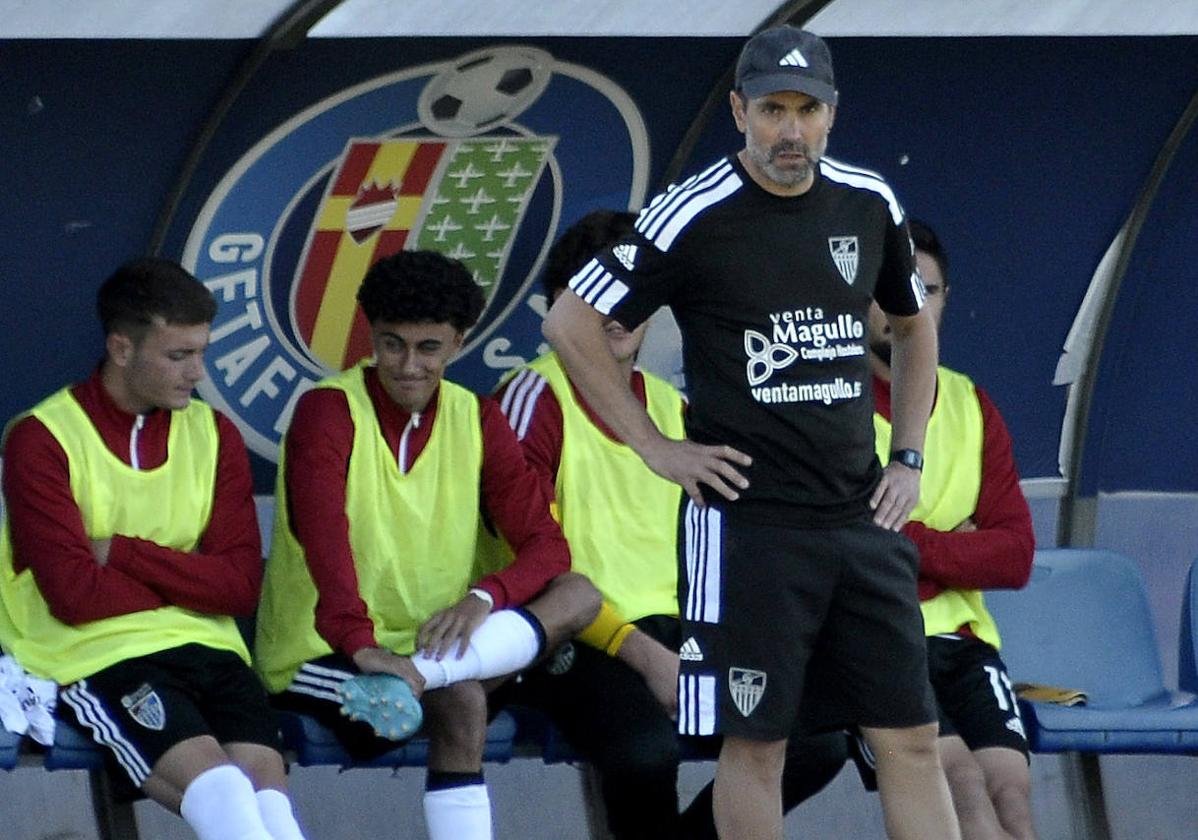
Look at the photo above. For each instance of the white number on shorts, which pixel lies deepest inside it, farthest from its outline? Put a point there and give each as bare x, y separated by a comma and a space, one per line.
1004, 693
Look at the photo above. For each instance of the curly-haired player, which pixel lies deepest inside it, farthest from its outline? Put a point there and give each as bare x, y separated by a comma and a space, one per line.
372, 570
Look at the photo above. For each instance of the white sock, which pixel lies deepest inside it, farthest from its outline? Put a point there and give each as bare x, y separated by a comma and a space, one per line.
458, 813
277, 815
219, 804
503, 644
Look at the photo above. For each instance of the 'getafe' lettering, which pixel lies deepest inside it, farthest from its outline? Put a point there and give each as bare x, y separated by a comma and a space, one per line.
265, 384
236, 247
251, 356
227, 284
236, 362
252, 317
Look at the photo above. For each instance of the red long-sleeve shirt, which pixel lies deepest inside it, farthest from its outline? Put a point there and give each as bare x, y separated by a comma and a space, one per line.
222, 577
998, 555
319, 443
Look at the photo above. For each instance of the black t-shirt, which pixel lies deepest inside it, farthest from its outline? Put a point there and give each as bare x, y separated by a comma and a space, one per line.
771, 295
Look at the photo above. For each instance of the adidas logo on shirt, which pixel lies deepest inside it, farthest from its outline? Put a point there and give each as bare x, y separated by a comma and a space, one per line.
794, 58
690, 651
626, 254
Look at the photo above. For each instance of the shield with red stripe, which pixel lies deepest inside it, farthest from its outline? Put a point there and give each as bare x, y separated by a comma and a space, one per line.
464, 198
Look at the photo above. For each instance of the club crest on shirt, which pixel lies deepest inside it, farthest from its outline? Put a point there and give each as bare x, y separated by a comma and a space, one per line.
474, 156
145, 707
746, 687
844, 254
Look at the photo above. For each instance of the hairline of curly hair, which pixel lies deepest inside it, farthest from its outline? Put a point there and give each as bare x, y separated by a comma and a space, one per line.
421, 287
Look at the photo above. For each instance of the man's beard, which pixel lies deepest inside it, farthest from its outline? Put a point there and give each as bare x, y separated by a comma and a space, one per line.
782, 177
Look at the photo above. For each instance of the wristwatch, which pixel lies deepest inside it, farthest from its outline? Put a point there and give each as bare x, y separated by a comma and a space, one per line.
908, 458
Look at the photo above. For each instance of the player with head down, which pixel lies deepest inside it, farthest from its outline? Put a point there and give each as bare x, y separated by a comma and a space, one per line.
129, 544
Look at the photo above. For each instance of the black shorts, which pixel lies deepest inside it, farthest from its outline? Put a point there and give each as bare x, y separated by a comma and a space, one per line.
141, 707
974, 693
974, 699
773, 614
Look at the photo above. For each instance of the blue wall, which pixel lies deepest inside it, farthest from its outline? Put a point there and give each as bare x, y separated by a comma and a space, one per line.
1026, 153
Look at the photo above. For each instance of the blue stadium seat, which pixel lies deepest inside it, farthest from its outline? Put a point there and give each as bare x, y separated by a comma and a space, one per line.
314, 744
10, 749
1187, 649
1083, 622
74, 749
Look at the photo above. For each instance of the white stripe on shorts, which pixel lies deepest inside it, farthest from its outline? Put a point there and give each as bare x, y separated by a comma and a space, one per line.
319, 681
105, 731
696, 705
704, 556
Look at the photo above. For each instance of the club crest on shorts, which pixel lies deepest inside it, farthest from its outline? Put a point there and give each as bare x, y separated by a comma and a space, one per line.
844, 254
562, 660
473, 156
746, 687
145, 707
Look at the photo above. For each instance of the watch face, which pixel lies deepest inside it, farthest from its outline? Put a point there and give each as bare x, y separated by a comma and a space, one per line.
908, 458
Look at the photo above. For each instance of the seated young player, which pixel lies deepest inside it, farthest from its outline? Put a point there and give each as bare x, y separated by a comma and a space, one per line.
974, 532
129, 544
383, 474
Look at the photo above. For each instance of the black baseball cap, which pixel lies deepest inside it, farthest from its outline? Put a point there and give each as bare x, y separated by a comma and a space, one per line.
786, 58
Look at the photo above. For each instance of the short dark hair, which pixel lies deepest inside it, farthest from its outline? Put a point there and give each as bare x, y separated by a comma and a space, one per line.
148, 288
585, 238
421, 287
926, 240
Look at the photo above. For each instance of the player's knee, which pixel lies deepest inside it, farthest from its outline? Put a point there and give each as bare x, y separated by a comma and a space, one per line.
568, 606
583, 598
909, 746
262, 764
760, 759
1011, 797
966, 781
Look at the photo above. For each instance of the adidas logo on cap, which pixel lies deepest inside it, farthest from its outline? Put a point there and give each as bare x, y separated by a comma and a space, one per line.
794, 58
786, 59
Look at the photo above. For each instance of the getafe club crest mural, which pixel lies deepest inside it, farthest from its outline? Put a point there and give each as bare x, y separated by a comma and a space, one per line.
482, 157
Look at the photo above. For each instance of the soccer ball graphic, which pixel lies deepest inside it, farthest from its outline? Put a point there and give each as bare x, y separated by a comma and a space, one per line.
483, 89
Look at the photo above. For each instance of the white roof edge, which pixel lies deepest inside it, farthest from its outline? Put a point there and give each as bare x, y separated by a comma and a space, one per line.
236, 19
